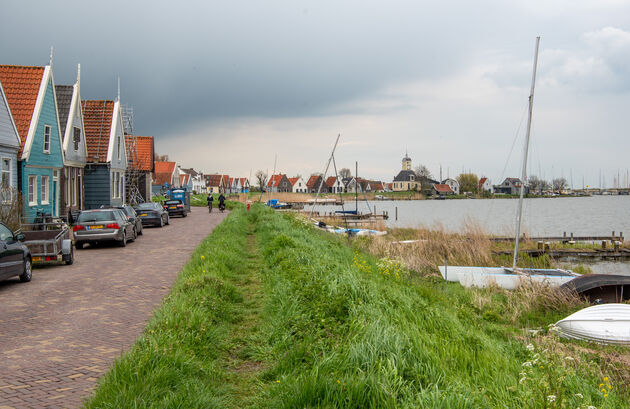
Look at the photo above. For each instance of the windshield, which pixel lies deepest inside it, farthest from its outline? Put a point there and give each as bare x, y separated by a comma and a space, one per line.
146, 206
87, 217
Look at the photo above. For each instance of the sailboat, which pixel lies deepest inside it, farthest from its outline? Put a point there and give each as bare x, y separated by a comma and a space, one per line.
505, 277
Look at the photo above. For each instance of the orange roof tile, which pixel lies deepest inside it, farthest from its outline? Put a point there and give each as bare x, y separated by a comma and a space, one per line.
97, 121
144, 152
440, 187
21, 86
212, 180
293, 181
274, 180
330, 182
163, 172
312, 181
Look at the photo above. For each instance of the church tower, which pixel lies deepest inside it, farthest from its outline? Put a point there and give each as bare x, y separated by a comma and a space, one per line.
406, 162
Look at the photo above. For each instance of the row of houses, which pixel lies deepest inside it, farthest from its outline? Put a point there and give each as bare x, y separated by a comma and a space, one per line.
316, 183
61, 153
170, 174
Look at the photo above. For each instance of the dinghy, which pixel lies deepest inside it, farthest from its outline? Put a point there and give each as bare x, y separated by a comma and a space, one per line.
504, 277
604, 324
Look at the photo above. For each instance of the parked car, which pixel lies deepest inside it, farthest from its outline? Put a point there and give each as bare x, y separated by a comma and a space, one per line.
15, 258
132, 217
99, 225
175, 207
152, 214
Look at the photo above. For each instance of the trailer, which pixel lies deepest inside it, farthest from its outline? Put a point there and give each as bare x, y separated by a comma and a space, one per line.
49, 242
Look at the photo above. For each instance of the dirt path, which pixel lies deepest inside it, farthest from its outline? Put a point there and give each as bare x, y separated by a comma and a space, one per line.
60, 332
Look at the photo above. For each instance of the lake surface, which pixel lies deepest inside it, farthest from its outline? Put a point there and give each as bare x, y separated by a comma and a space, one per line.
596, 215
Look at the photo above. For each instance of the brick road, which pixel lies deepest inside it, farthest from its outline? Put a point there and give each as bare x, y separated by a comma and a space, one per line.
60, 332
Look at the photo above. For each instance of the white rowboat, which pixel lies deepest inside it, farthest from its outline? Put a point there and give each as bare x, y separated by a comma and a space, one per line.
503, 277
604, 324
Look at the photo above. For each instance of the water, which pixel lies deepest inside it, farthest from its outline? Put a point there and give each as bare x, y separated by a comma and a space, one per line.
584, 216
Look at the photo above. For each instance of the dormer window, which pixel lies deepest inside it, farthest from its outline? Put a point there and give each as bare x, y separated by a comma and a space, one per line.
76, 137
46, 139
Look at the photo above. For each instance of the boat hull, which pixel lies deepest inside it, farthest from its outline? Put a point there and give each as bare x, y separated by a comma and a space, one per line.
505, 278
604, 324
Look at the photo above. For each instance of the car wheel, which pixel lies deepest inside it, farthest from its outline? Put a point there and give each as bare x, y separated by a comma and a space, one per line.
28, 271
123, 242
184, 214
70, 258
135, 234
79, 245
140, 232
168, 220
161, 222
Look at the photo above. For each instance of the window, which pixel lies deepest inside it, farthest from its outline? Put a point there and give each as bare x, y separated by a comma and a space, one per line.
46, 139
121, 180
44, 189
79, 187
76, 137
5, 233
115, 182
32, 190
5, 180
119, 148
73, 183
66, 175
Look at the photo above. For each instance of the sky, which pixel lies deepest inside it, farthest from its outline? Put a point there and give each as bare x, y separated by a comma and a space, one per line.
232, 87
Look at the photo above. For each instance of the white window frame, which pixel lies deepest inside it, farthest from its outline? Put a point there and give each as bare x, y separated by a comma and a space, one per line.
45, 189
47, 132
8, 171
79, 187
32, 190
73, 183
66, 175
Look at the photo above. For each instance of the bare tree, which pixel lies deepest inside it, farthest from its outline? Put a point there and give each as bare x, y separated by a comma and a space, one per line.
160, 158
559, 184
10, 207
345, 173
423, 172
261, 179
537, 185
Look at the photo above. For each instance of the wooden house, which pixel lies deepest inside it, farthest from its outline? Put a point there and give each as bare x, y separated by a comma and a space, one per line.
442, 189
334, 185
106, 162
510, 186
140, 166
453, 184
166, 174
298, 185
279, 183
30, 93
213, 183
244, 185
74, 147
316, 183
9, 146
485, 185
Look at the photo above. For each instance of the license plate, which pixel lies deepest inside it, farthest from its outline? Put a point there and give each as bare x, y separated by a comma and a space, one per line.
173, 207
37, 259
98, 226
143, 214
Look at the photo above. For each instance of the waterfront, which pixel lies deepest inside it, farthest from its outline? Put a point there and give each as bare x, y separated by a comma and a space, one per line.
596, 215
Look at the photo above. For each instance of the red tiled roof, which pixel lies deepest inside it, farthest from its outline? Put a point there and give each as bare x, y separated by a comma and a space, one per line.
21, 86
224, 180
293, 181
481, 182
274, 180
330, 182
183, 179
164, 172
97, 121
311, 181
212, 180
144, 152
231, 182
439, 187
243, 181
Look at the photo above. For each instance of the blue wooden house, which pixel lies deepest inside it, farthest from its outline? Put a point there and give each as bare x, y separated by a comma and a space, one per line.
30, 92
106, 163
9, 146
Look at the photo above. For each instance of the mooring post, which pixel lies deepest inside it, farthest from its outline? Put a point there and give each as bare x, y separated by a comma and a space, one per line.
603, 244
374, 210
396, 213
540, 245
613, 236
571, 236
564, 234
616, 245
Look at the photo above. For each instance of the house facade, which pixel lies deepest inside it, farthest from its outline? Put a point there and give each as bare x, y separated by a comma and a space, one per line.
442, 189
166, 175
106, 163
244, 185
485, 185
279, 183
334, 185
298, 185
510, 186
213, 183
140, 166
74, 147
9, 146
350, 185
453, 184
30, 93
315, 183
406, 179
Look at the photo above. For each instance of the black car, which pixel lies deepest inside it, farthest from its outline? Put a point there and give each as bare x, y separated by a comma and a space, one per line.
175, 207
15, 258
152, 213
132, 217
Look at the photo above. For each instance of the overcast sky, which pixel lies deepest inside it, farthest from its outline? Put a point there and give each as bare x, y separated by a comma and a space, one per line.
225, 86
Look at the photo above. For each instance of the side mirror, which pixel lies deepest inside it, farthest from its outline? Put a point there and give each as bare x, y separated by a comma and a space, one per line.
20, 237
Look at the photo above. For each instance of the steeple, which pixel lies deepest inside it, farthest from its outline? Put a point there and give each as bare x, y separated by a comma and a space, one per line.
406, 162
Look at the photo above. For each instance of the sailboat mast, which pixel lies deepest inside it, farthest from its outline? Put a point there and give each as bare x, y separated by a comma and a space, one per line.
356, 187
526, 150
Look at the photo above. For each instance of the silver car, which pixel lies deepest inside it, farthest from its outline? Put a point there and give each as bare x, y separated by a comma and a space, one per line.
95, 226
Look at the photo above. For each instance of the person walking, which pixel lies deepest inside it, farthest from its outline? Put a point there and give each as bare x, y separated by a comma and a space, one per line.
210, 200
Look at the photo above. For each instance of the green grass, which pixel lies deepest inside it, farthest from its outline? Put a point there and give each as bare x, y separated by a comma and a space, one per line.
286, 316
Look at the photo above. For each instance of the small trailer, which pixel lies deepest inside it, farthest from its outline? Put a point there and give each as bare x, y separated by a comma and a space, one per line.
49, 242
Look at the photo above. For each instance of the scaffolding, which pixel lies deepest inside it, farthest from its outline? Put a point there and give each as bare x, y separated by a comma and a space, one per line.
133, 174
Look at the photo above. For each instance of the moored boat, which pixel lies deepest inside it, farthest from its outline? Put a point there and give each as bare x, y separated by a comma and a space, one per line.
504, 277
604, 324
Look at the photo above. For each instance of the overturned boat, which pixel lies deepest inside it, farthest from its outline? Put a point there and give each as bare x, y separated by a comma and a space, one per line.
504, 277
601, 288
604, 324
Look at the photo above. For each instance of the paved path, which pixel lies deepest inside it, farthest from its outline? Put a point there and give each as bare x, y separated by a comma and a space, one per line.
60, 332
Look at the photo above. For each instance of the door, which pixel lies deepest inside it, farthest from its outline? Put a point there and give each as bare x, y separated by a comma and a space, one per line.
11, 256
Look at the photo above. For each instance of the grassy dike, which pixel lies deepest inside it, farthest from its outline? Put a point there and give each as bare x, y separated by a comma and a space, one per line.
270, 313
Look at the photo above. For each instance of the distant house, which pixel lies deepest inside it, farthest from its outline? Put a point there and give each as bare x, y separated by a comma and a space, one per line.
510, 186
349, 184
30, 94
9, 146
185, 181
334, 185
140, 154
298, 185
377, 186
279, 183
74, 146
213, 183
442, 189
197, 182
406, 178
316, 183
453, 184
107, 154
484, 185
166, 175
243, 184
226, 186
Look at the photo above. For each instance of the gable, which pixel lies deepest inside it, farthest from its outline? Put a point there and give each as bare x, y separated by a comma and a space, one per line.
71, 118
117, 152
97, 123
8, 133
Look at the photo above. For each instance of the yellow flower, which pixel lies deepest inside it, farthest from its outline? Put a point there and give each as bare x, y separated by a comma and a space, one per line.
609, 386
278, 381
203, 257
601, 385
605, 395
338, 381
605, 379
